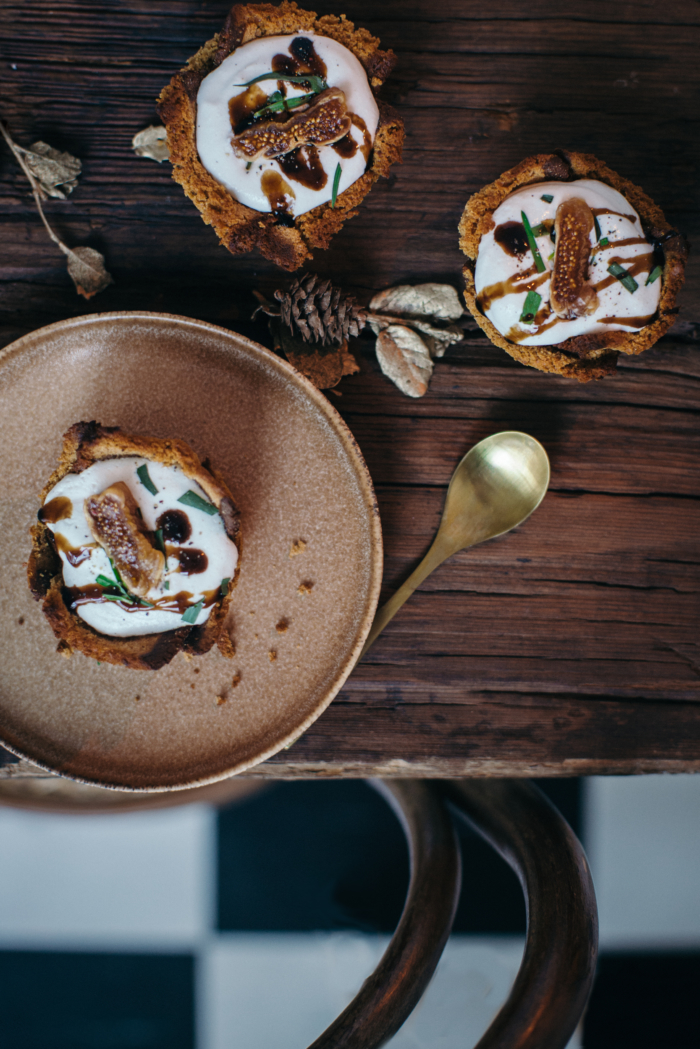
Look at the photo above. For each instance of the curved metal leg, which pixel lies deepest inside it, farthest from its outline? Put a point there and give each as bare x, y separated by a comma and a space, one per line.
556, 975
390, 994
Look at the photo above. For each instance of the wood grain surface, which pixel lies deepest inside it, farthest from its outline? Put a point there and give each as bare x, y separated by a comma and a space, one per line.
571, 645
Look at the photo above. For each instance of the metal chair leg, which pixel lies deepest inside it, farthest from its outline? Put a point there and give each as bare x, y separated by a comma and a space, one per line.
390, 994
556, 975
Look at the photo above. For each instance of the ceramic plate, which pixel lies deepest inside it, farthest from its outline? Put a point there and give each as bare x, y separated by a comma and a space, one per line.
298, 619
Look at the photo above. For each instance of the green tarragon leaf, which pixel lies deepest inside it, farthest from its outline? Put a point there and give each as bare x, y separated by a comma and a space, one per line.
626, 279
336, 183
191, 498
530, 307
190, 615
539, 264
145, 479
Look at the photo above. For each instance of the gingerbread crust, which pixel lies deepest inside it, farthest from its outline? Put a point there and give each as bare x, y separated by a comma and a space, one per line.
86, 443
584, 357
240, 228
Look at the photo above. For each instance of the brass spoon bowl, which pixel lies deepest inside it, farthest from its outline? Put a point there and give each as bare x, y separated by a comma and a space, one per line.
496, 486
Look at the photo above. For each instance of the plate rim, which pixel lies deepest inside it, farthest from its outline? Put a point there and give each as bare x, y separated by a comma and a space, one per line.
13, 349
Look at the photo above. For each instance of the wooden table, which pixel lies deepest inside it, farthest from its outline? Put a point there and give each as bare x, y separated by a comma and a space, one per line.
565, 648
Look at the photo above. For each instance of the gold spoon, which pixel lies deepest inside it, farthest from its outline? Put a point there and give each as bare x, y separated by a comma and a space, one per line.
497, 485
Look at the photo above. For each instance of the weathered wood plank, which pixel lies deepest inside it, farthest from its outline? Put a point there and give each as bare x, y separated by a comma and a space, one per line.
508, 659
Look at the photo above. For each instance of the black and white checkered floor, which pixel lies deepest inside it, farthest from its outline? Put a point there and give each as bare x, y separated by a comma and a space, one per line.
251, 928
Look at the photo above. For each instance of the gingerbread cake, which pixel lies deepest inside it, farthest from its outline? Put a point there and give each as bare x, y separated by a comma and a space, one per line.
275, 129
570, 264
136, 551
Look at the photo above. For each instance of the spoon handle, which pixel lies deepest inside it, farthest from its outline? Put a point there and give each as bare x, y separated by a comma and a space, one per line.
438, 552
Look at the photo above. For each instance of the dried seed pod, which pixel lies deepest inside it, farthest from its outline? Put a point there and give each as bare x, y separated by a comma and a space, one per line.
322, 123
570, 293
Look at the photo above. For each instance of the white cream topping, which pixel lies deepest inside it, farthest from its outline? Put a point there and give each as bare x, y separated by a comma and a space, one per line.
214, 130
207, 534
618, 309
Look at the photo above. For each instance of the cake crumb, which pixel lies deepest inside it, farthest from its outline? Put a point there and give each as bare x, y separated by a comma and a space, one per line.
192, 685
196, 670
220, 700
136, 699
283, 626
21, 620
304, 588
236, 680
272, 655
64, 649
297, 547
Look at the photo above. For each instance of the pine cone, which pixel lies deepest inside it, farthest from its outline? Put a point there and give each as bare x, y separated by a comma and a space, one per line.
319, 312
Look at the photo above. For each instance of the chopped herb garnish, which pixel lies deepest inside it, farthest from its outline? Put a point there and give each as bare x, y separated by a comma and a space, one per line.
160, 545
550, 257
281, 104
191, 498
249, 165
316, 83
597, 228
540, 230
530, 307
190, 615
336, 183
654, 275
122, 594
224, 587
539, 264
145, 479
548, 197
166, 584
604, 242
625, 278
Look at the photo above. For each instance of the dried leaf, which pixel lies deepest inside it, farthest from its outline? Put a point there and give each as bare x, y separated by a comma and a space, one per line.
439, 301
404, 358
323, 366
152, 142
436, 339
51, 169
87, 269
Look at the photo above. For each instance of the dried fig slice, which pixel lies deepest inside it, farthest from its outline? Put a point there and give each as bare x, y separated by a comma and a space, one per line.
116, 524
324, 122
570, 293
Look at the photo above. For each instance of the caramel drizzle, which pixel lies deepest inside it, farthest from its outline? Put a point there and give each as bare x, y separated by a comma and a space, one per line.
640, 264
93, 594
607, 211
56, 510
525, 281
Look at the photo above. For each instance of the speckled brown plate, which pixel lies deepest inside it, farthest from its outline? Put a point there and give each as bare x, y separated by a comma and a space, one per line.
296, 473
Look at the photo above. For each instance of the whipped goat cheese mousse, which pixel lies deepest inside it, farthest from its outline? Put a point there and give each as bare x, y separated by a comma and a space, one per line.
142, 547
604, 265
280, 145
136, 552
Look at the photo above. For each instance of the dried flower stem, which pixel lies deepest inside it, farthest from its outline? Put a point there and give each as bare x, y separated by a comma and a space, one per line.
85, 265
35, 189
